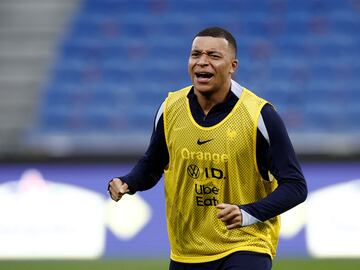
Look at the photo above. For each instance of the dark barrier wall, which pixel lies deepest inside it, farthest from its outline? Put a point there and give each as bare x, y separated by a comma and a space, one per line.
63, 211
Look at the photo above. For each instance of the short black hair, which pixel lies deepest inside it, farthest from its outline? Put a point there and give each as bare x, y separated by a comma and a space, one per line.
218, 32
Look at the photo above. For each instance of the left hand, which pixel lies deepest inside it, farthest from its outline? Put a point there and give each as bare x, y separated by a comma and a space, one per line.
230, 214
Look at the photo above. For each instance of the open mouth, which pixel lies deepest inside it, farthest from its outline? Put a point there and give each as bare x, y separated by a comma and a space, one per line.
203, 75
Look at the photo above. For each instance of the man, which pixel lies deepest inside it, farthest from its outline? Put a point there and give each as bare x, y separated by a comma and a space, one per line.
230, 168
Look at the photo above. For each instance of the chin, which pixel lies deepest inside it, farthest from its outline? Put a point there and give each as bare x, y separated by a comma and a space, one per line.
205, 91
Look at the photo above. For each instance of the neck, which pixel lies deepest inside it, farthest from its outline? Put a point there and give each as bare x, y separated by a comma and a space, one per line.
208, 100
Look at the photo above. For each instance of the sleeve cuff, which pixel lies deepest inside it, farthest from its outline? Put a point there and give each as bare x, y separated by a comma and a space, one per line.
248, 219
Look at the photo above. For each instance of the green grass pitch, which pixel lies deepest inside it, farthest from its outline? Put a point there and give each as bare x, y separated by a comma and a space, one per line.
162, 264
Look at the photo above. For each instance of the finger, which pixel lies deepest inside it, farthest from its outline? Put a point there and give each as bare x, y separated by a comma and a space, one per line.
233, 225
221, 205
113, 197
225, 211
114, 191
114, 194
119, 185
124, 189
116, 182
236, 219
236, 222
230, 216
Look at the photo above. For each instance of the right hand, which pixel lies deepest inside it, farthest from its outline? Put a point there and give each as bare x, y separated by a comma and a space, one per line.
117, 189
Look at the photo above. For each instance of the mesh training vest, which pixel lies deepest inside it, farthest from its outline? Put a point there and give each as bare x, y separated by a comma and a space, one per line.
208, 166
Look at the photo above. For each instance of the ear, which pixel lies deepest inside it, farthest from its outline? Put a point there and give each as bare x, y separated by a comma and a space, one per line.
234, 65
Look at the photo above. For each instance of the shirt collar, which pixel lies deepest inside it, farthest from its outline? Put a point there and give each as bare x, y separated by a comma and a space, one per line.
228, 104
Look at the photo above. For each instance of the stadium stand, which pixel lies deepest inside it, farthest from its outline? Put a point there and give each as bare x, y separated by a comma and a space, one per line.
29, 29
118, 59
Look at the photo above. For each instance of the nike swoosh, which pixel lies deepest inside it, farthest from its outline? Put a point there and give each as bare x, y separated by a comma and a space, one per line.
202, 142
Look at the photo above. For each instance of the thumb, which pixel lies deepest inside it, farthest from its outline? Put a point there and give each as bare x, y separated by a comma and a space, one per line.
124, 188
119, 185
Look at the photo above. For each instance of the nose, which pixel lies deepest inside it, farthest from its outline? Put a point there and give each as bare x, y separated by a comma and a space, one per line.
203, 60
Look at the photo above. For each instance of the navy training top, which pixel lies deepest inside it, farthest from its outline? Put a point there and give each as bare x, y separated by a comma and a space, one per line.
275, 155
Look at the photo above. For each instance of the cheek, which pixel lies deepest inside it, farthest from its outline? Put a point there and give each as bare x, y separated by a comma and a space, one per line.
190, 66
224, 70
229, 69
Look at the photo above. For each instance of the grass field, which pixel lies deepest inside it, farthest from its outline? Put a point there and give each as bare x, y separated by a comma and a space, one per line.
282, 264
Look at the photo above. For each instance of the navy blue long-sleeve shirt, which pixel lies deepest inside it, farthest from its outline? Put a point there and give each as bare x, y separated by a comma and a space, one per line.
274, 153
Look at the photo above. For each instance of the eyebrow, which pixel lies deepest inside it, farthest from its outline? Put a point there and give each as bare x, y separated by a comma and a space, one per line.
206, 51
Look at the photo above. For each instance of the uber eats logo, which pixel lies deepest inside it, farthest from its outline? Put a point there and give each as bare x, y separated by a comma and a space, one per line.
205, 194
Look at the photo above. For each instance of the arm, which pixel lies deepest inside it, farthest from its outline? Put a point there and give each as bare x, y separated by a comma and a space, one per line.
275, 154
279, 158
149, 169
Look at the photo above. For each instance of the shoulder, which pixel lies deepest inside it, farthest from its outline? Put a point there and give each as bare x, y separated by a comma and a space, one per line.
159, 114
271, 117
176, 99
267, 119
172, 97
274, 125
183, 92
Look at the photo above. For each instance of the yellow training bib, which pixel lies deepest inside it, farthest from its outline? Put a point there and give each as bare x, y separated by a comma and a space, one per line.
208, 166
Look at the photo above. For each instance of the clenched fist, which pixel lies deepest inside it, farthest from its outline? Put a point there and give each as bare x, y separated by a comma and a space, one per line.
117, 189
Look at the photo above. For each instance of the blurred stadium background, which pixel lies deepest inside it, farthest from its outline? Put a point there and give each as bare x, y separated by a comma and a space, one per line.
81, 80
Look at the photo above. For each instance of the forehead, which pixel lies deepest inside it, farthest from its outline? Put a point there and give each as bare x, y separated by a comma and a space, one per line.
210, 44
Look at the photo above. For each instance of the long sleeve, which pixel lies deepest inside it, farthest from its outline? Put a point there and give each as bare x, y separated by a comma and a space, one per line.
149, 169
279, 158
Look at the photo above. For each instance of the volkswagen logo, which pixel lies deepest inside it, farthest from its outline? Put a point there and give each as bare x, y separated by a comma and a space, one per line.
193, 171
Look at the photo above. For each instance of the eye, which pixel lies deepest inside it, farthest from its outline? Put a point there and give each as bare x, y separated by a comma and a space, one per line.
195, 54
215, 56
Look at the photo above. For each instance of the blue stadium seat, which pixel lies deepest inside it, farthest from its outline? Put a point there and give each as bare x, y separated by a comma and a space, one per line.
119, 59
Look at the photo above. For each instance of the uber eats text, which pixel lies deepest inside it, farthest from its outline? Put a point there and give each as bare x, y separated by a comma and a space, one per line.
206, 194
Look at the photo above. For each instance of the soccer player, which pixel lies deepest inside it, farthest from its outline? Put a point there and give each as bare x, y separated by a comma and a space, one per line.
230, 168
